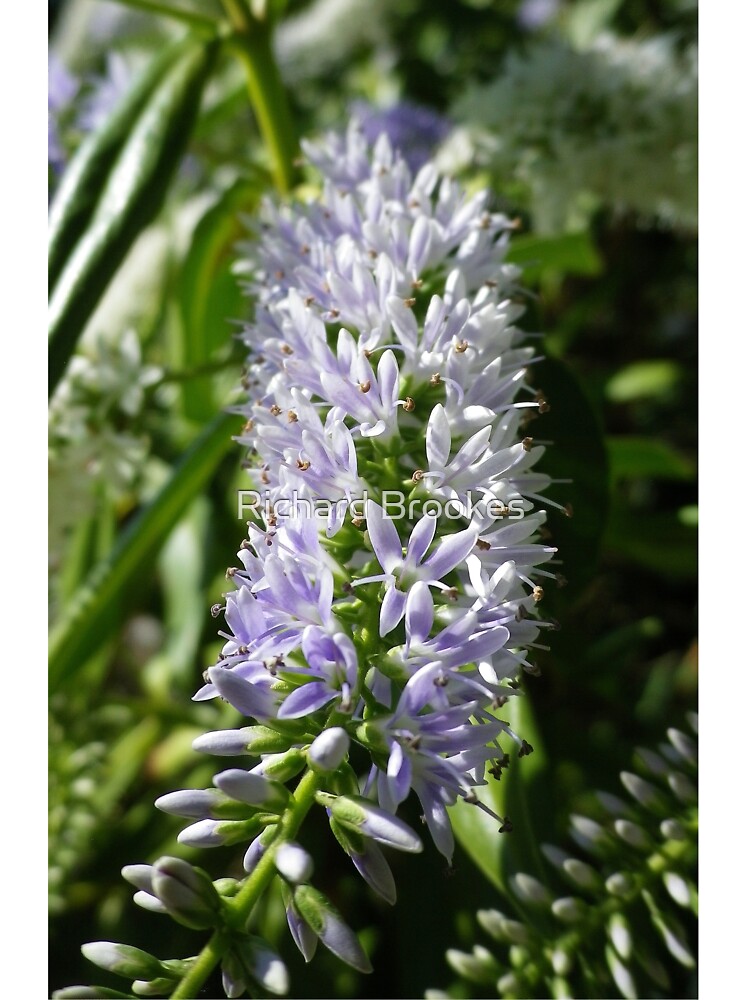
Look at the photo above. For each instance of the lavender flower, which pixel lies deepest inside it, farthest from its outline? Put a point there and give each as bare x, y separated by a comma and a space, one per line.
412, 129
62, 87
384, 361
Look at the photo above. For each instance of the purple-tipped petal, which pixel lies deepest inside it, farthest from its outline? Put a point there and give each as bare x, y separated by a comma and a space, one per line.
420, 612
450, 552
392, 609
376, 871
247, 698
421, 537
384, 537
305, 700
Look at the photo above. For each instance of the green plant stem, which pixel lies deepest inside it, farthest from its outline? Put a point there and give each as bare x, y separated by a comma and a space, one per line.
193, 19
251, 42
241, 906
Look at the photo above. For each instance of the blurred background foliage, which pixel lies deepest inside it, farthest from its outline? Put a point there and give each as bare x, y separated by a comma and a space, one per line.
143, 472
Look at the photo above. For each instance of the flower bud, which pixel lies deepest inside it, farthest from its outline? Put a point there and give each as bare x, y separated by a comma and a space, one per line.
478, 967
530, 890
187, 893
253, 789
375, 870
361, 815
621, 974
328, 925
502, 929
86, 993
213, 833
202, 803
253, 740
123, 960
329, 749
293, 862
153, 987
282, 766
569, 909
619, 934
262, 964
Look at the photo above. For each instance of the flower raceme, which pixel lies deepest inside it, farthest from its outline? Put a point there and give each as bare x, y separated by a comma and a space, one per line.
383, 356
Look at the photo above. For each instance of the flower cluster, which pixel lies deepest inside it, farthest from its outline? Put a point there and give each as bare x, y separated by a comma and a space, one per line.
383, 356
614, 123
94, 443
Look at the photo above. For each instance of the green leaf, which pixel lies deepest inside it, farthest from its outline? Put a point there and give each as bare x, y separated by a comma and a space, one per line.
577, 452
87, 173
637, 457
91, 615
209, 295
499, 855
571, 253
643, 380
134, 192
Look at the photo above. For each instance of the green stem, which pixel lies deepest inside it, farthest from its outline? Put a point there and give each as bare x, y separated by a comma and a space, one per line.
194, 20
252, 43
241, 906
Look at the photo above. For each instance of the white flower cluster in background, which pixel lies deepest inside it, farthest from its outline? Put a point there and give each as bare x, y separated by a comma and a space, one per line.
613, 124
93, 447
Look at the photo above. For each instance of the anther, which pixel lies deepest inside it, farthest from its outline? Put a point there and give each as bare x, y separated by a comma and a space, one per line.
365, 386
292, 417
451, 594
230, 572
275, 409
417, 476
537, 594
490, 283
568, 508
358, 522
416, 285
286, 349
309, 300
216, 610
507, 826
526, 749
409, 303
409, 404
334, 313
435, 379
482, 545
462, 346
264, 478
278, 275
532, 669
303, 466
248, 426
527, 443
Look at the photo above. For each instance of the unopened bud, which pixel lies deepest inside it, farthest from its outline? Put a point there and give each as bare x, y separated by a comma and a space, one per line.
328, 750
293, 862
123, 960
187, 893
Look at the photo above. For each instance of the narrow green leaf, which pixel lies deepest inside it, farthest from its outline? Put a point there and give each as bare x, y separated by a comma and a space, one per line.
89, 618
135, 191
86, 175
209, 295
